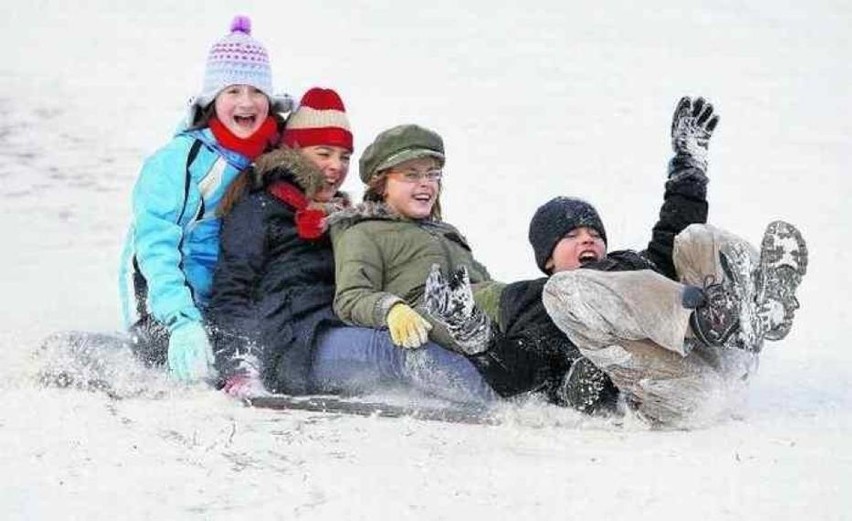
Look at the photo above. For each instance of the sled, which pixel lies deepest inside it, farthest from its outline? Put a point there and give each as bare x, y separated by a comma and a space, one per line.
473, 415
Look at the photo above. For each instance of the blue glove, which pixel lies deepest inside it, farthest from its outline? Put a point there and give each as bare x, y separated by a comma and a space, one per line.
190, 353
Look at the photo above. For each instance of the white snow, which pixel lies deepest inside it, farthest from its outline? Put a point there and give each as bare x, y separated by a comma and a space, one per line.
534, 99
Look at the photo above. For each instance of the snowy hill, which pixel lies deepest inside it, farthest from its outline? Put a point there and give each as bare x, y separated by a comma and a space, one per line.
533, 99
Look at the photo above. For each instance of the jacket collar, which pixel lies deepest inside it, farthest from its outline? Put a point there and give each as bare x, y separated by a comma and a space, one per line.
287, 164
379, 211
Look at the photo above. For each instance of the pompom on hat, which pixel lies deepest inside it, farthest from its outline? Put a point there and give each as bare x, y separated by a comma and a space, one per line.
319, 120
238, 59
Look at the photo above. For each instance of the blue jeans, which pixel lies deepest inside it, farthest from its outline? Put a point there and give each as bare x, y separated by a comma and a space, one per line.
360, 360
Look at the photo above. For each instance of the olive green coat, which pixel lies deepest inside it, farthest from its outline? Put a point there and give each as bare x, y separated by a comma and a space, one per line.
382, 258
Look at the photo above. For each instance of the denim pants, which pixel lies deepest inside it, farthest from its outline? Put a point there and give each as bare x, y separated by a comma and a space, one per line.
357, 360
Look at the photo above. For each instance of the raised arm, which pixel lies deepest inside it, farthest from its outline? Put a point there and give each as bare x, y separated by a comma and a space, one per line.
685, 197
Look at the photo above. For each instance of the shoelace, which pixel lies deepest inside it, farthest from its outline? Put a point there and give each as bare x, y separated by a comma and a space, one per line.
716, 300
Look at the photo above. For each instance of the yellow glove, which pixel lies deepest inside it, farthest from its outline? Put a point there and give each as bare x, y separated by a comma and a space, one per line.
407, 328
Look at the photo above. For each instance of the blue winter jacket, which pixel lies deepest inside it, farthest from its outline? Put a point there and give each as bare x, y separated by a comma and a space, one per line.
173, 241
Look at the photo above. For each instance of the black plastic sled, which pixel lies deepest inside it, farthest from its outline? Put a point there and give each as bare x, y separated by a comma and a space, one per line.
474, 415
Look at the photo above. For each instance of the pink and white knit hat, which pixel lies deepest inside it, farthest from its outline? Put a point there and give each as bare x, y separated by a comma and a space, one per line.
236, 59
319, 120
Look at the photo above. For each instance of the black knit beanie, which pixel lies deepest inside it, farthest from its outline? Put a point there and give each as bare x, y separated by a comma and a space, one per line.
553, 220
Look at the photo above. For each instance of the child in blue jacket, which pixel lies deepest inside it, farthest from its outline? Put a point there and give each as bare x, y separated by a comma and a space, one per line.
173, 242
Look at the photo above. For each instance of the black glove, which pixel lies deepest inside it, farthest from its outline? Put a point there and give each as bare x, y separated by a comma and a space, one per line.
693, 124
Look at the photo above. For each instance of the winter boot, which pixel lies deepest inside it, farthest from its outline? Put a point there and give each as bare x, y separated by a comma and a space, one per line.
754, 302
783, 263
245, 382
715, 317
244, 386
587, 389
727, 315
451, 303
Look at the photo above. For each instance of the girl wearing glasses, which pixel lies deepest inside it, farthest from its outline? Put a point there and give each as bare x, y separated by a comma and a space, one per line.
385, 247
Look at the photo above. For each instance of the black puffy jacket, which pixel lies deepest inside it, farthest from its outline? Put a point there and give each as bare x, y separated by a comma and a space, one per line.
272, 289
530, 353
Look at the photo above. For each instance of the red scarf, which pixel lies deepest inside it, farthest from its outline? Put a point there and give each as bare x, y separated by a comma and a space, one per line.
252, 146
310, 222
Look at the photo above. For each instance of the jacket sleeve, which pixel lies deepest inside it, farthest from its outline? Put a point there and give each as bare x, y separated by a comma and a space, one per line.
684, 203
242, 250
232, 309
158, 198
487, 297
359, 268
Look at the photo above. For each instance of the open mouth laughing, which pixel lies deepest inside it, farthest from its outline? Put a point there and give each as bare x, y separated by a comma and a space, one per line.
246, 122
588, 256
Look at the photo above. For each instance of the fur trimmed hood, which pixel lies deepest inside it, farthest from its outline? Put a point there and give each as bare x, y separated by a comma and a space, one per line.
365, 211
380, 211
361, 212
287, 164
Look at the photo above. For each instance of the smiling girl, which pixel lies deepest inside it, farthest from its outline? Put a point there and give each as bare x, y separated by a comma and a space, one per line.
274, 284
173, 243
385, 248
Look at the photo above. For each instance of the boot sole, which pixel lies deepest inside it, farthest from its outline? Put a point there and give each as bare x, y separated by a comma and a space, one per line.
783, 263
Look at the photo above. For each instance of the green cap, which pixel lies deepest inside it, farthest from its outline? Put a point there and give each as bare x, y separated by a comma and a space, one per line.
397, 145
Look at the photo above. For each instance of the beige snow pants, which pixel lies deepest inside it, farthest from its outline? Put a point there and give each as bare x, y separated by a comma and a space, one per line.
634, 327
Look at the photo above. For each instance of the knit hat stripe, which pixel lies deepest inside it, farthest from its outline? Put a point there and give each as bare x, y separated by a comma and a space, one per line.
307, 117
231, 51
327, 136
236, 59
319, 120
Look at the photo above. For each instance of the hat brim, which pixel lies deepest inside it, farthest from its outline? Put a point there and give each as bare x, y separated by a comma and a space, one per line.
277, 102
407, 155
280, 103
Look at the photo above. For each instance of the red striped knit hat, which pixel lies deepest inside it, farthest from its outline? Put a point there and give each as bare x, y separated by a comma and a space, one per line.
319, 120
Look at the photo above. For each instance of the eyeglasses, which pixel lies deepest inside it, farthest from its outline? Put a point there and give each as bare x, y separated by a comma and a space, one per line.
415, 176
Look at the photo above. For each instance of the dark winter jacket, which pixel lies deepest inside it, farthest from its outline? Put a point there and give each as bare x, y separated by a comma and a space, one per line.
529, 352
273, 289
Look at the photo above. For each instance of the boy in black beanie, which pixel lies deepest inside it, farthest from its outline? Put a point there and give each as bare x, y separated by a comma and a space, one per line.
623, 324
510, 337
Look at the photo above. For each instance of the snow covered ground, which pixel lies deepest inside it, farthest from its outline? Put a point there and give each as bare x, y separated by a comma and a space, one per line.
534, 99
